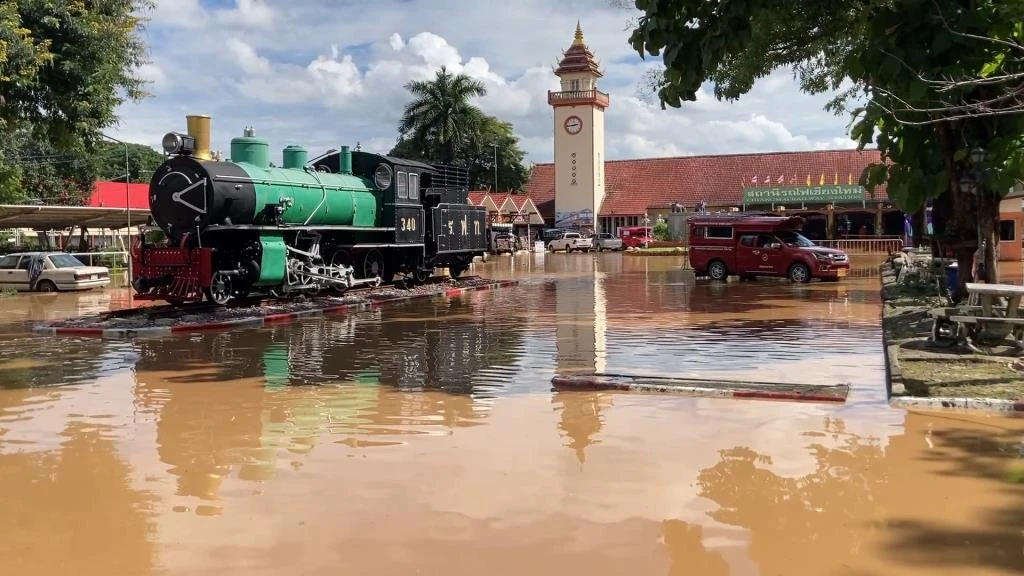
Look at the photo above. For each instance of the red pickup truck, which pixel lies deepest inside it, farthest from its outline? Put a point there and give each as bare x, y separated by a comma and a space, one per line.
750, 246
635, 236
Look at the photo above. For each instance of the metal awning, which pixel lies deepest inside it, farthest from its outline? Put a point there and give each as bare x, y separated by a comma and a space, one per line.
59, 217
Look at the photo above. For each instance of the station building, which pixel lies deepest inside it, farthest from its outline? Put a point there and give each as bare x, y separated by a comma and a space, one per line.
582, 189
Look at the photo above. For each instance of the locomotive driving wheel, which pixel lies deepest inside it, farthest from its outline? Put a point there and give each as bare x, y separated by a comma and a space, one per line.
457, 268
373, 264
220, 290
420, 276
340, 258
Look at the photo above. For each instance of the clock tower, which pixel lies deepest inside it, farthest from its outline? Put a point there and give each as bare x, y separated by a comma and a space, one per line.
579, 137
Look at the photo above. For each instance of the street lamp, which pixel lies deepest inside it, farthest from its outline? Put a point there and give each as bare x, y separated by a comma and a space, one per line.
977, 156
127, 211
495, 146
973, 178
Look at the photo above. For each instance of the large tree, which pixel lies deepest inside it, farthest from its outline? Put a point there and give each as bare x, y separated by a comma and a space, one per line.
495, 141
65, 67
142, 162
933, 78
441, 124
441, 114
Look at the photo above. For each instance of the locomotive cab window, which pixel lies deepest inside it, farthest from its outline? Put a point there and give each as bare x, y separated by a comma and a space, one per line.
403, 185
414, 186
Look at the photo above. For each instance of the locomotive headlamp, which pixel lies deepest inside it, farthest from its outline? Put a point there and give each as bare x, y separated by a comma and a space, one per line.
177, 143
382, 176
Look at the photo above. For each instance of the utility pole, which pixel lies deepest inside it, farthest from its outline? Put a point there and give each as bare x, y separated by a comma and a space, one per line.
127, 213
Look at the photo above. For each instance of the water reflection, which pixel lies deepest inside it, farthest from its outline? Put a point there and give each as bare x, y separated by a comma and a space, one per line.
426, 438
24, 309
29, 360
73, 510
650, 319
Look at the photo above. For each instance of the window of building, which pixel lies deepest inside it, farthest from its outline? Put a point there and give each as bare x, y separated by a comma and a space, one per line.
414, 186
574, 85
403, 185
718, 232
1007, 230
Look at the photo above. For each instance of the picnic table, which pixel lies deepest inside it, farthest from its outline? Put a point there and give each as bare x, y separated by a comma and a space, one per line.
992, 313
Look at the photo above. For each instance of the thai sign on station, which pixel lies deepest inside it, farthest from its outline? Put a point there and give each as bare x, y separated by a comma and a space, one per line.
813, 194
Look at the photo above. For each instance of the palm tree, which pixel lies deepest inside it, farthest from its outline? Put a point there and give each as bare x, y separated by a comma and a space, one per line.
441, 113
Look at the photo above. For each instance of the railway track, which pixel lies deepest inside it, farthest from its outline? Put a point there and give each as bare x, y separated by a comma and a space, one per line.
261, 300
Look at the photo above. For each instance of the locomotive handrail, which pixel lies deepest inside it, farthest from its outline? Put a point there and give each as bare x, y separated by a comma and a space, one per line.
277, 182
323, 198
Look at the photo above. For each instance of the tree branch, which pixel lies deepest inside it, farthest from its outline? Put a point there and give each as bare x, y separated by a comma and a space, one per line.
1007, 43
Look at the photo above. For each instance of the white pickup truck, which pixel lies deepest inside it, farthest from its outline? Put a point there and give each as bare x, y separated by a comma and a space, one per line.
570, 241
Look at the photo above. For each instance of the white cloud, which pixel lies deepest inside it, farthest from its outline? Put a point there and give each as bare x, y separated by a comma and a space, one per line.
154, 74
351, 88
248, 14
396, 42
247, 58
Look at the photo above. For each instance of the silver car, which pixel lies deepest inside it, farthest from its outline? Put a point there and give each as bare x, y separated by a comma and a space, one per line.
605, 241
49, 272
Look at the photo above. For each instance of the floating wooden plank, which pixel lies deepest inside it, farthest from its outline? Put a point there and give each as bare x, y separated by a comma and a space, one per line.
715, 388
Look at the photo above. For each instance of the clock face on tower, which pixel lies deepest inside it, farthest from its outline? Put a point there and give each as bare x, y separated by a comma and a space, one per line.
573, 124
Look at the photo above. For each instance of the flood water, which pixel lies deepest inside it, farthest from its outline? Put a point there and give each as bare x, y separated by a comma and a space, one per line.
425, 438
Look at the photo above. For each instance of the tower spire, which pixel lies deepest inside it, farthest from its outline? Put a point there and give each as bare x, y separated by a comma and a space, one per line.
578, 58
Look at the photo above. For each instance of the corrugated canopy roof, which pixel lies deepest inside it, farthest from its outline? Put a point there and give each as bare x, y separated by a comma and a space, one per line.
59, 217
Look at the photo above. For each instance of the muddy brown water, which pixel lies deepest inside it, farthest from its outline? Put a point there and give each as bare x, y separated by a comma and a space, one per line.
425, 438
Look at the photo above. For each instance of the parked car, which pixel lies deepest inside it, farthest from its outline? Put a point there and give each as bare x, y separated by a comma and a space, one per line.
570, 241
605, 241
750, 246
502, 242
58, 271
552, 233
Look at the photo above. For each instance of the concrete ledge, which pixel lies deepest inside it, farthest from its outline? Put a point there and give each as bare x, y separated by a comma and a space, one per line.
986, 404
702, 388
57, 328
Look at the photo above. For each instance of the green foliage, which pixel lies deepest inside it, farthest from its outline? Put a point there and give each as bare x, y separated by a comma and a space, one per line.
440, 115
32, 169
479, 156
142, 162
441, 125
65, 67
660, 230
735, 43
36, 170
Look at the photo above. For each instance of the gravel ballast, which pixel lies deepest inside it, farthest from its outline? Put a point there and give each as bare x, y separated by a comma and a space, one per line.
165, 319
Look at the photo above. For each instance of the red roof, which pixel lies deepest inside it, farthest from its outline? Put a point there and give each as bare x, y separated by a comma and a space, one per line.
518, 200
541, 189
112, 195
633, 186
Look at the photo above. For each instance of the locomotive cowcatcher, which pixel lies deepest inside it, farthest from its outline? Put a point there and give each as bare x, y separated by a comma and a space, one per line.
227, 229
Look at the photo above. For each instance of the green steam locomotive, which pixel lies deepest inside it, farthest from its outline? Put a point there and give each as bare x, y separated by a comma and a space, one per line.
343, 219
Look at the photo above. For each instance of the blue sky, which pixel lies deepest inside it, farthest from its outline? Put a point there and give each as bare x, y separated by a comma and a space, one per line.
331, 72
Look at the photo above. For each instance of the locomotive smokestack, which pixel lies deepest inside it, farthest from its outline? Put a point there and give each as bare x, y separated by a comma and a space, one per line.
199, 129
345, 161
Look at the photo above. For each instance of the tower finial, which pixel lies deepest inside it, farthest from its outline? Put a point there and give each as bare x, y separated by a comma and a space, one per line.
579, 34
